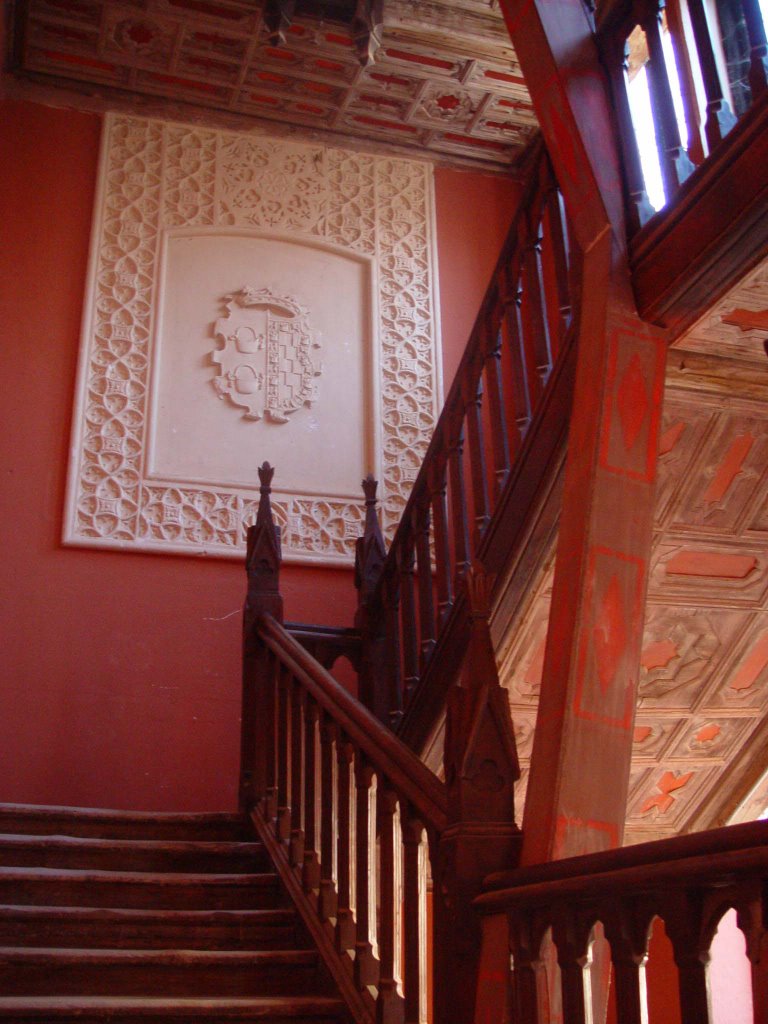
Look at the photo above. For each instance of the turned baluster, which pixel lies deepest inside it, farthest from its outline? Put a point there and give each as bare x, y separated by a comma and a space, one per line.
408, 632
459, 517
415, 919
438, 485
528, 973
311, 868
270, 736
758, 57
328, 819
557, 234
512, 334
628, 933
297, 781
345, 922
495, 386
720, 118
675, 165
283, 819
573, 956
752, 916
473, 406
683, 917
393, 669
389, 1002
535, 306
366, 965
427, 634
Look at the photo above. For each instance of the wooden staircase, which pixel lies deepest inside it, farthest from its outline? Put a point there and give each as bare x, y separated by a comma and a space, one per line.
122, 917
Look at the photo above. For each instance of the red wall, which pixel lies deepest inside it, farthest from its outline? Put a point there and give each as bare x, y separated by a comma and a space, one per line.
120, 675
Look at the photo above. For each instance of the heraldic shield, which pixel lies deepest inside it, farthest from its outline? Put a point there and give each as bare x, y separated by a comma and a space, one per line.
265, 352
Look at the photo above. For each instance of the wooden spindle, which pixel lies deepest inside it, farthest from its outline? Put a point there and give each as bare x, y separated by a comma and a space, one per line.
427, 631
366, 965
270, 737
535, 307
692, 980
459, 516
297, 780
310, 877
415, 920
627, 933
558, 245
408, 626
328, 819
345, 922
473, 407
283, 816
438, 485
393, 668
528, 976
512, 337
389, 1002
495, 389
758, 56
675, 165
720, 118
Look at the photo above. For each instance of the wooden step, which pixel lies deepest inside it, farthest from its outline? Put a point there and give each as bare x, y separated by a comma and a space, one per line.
126, 972
35, 819
136, 890
81, 927
98, 1010
18, 850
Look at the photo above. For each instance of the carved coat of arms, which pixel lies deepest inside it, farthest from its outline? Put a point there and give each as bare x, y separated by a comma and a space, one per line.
265, 354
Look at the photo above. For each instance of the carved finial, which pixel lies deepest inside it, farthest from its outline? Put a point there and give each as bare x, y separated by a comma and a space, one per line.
370, 486
479, 585
370, 550
263, 553
266, 472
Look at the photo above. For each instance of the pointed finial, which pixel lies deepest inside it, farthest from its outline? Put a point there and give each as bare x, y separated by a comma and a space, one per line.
370, 485
266, 472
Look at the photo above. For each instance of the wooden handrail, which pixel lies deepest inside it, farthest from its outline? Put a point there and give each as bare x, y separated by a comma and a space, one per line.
689, 882
383, 750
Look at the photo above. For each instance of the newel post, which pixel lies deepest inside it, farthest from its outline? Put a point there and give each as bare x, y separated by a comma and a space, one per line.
262, 566
481, 768
370, 553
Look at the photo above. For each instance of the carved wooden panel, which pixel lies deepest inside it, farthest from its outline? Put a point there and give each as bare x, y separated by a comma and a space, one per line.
229, 319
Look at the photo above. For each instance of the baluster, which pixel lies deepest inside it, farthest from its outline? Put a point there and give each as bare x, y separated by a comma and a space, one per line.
752, 917
558, 252
720, 118
512, 332
409, 633
535, 307
366, 965
421, 522
528, 974
683, 918
270, 736
495, 385
627, 933
297, 753
675, 165
573, 957
389, 1003
283, 819
438, 485
459, 518
392, 651
415, 923
345, 923
473, 403
329, 825
617, 62
311, 868
758, 57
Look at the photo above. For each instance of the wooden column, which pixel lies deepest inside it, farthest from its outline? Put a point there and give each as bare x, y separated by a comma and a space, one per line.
581, 756
262, 566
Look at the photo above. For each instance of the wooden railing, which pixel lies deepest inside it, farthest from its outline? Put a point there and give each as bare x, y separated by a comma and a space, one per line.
689, 882
717, 75
501, 387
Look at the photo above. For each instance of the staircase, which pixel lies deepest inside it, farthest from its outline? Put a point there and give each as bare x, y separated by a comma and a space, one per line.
123, 917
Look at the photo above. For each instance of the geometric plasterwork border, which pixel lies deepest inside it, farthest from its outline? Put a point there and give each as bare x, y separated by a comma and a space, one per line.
158, 177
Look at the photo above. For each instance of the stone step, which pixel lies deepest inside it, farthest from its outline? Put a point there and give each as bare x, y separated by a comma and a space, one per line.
36, 819
188, 973
123, 1010
136, 890
81, 927
19, 850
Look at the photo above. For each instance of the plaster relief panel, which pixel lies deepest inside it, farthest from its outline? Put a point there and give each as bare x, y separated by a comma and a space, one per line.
250, 298
707, 573
685, 426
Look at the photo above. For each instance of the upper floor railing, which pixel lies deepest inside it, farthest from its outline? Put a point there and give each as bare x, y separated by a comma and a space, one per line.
683, 73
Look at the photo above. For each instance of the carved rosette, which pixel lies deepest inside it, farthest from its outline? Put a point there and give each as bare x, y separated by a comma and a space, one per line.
158, 176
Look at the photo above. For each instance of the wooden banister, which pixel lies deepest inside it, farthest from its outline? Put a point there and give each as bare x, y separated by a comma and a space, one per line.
688, 881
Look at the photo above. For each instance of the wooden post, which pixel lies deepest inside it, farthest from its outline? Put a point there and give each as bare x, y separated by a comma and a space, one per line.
481, 768
582, 749
370, 552
262, 566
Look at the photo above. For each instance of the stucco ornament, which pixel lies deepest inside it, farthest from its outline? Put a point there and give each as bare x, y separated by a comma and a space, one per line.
265, 355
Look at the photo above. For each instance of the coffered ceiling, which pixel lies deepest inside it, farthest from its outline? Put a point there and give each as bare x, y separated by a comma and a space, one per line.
439, 77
